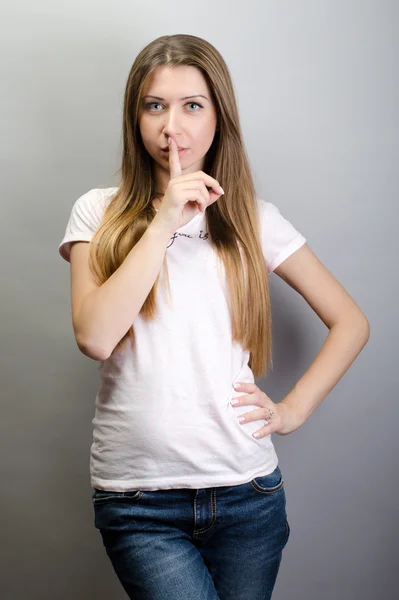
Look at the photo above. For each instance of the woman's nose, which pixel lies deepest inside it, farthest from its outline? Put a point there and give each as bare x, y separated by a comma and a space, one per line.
171, 123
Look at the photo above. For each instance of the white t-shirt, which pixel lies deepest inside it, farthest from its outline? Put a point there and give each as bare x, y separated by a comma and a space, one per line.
163, 417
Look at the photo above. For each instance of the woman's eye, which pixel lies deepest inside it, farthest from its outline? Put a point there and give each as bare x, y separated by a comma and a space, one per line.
149, 104
196, 103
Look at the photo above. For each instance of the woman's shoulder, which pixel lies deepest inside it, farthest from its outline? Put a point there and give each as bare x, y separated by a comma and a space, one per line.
96, 199
89, 208
266, 207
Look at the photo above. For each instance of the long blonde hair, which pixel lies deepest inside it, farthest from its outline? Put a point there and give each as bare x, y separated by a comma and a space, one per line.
232, 222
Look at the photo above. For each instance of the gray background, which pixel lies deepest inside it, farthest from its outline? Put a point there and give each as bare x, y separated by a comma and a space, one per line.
317, 86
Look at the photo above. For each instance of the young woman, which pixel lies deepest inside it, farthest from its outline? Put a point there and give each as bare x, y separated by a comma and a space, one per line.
172, 297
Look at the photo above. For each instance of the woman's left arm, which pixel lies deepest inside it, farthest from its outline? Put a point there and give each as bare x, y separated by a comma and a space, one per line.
348, 325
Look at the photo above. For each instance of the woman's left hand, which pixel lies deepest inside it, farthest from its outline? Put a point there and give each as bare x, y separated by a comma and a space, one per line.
280, 417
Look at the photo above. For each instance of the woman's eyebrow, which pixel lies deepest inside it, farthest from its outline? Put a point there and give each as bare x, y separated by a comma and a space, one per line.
185, 97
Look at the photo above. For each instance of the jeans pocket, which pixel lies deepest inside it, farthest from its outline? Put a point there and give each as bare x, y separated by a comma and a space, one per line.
287, 531
268, 484
105, 496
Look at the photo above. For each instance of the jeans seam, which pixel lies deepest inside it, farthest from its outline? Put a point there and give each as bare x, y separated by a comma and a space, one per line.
213, 521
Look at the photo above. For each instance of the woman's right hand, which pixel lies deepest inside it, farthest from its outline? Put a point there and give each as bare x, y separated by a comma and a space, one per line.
186, 195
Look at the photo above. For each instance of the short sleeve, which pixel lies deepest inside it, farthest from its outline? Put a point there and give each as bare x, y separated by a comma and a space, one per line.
279, 237
85, 218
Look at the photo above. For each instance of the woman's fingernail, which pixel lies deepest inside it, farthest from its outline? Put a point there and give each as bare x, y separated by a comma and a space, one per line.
221, 189
169, 140
237, 386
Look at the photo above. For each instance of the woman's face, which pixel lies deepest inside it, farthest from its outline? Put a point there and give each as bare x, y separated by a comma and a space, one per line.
190, 121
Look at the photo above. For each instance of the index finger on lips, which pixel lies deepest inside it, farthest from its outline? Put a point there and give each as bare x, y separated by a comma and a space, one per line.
174, 160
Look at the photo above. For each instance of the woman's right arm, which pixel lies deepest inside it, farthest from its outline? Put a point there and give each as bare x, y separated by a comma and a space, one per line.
102, 315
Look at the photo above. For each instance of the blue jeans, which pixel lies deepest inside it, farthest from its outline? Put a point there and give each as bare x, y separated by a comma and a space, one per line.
221, 543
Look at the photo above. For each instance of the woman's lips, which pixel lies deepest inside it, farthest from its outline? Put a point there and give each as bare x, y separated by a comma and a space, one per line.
180, 151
